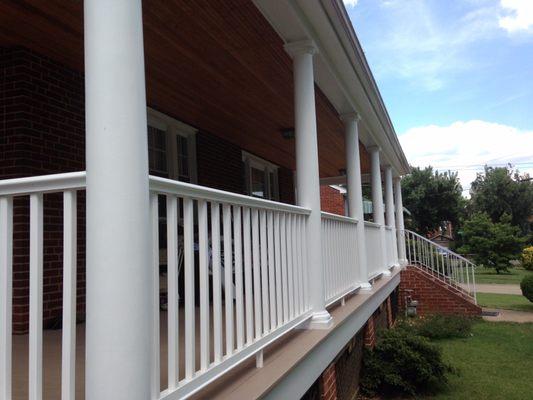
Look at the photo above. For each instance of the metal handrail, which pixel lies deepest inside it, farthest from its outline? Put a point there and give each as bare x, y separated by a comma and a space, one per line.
441, 262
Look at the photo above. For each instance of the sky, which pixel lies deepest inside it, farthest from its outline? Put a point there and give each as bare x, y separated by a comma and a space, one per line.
456, 77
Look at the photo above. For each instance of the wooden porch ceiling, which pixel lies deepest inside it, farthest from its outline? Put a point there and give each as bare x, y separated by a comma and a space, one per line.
215, 64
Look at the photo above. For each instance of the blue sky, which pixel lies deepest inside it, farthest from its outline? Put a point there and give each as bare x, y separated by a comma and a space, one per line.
456, 76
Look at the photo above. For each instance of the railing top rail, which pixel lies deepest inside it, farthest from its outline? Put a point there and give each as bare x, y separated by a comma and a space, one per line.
168, 186
372, 224
389, 228
341, 218
42, 184
441, 247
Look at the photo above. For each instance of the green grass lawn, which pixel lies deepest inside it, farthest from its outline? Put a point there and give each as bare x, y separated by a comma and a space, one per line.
505, 301
489, 275
495, 363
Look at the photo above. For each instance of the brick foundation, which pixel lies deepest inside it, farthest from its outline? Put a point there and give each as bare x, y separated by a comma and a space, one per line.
433, 295
328, 383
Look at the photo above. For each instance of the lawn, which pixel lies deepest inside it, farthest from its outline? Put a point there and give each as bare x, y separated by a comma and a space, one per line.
489, 275
505, 301
495, 363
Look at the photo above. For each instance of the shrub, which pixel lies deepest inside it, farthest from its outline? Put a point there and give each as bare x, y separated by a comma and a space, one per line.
527, 258
444, 326
527, 287
403, 363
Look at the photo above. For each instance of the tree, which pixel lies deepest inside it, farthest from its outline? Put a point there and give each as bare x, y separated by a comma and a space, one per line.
491, 244
500, 191
432, 198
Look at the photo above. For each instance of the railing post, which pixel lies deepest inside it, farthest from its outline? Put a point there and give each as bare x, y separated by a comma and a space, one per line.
308, 188
377, 203
119, 267
389, 210
400, 228
355, 192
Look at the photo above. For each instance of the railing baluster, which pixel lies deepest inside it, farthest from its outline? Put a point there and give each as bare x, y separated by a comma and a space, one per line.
277, 246
256, 273
295, 266
290, 266
228, 277
239, 304
155, 357
284, 272
264, 270
6, 292
248, 275
217, 281
271, 272
68, 346
172, 291
190, 317
36, 297
204, 284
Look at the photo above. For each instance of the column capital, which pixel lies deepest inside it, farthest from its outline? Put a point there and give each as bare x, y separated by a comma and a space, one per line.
396, 178
300, 47
351, 116
374, 149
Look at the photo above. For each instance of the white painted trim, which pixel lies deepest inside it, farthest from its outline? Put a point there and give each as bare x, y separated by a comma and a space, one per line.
172, 128
252, 161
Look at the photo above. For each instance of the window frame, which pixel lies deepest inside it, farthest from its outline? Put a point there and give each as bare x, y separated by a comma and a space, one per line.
251, 161
174, 128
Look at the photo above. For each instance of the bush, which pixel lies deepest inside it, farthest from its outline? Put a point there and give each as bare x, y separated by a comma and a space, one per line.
527, 258
444, 326
403, 363
527, 287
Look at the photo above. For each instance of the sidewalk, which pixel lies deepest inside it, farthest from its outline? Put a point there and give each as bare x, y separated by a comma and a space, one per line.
497, 288
509, 316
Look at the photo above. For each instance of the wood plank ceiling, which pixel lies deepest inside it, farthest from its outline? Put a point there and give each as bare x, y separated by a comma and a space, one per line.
215, 64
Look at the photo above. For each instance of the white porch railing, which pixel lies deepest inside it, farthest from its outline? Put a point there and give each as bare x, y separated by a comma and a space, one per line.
240, 262
441, 262
35, 187
389, 243
339, 255
376, 264
253, 252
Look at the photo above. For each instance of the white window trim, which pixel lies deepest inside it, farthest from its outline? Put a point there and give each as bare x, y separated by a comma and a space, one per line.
252, 161
173, 128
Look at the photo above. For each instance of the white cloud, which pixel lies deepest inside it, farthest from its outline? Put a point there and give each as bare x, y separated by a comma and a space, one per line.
350, 3
424, 48
519, 15
466, 146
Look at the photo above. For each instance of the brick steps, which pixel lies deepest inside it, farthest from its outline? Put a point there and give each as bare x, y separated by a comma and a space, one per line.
434, 295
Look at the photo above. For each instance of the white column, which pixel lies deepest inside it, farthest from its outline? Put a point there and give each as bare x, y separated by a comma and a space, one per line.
389, 210
377, 202
355, 192
119, 275
307, 169
399, 221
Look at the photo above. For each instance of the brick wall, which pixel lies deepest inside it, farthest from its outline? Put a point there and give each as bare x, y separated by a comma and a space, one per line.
331, 200
42, 132
434, 296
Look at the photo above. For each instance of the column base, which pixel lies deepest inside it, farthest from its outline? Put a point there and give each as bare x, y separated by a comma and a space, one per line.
366, 286
319, 320
403, 263
387, 272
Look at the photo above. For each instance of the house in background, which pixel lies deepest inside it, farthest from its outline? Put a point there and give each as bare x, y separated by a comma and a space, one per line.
172, 152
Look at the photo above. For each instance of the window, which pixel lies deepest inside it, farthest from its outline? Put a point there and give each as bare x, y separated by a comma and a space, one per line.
261, 177
171, 148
